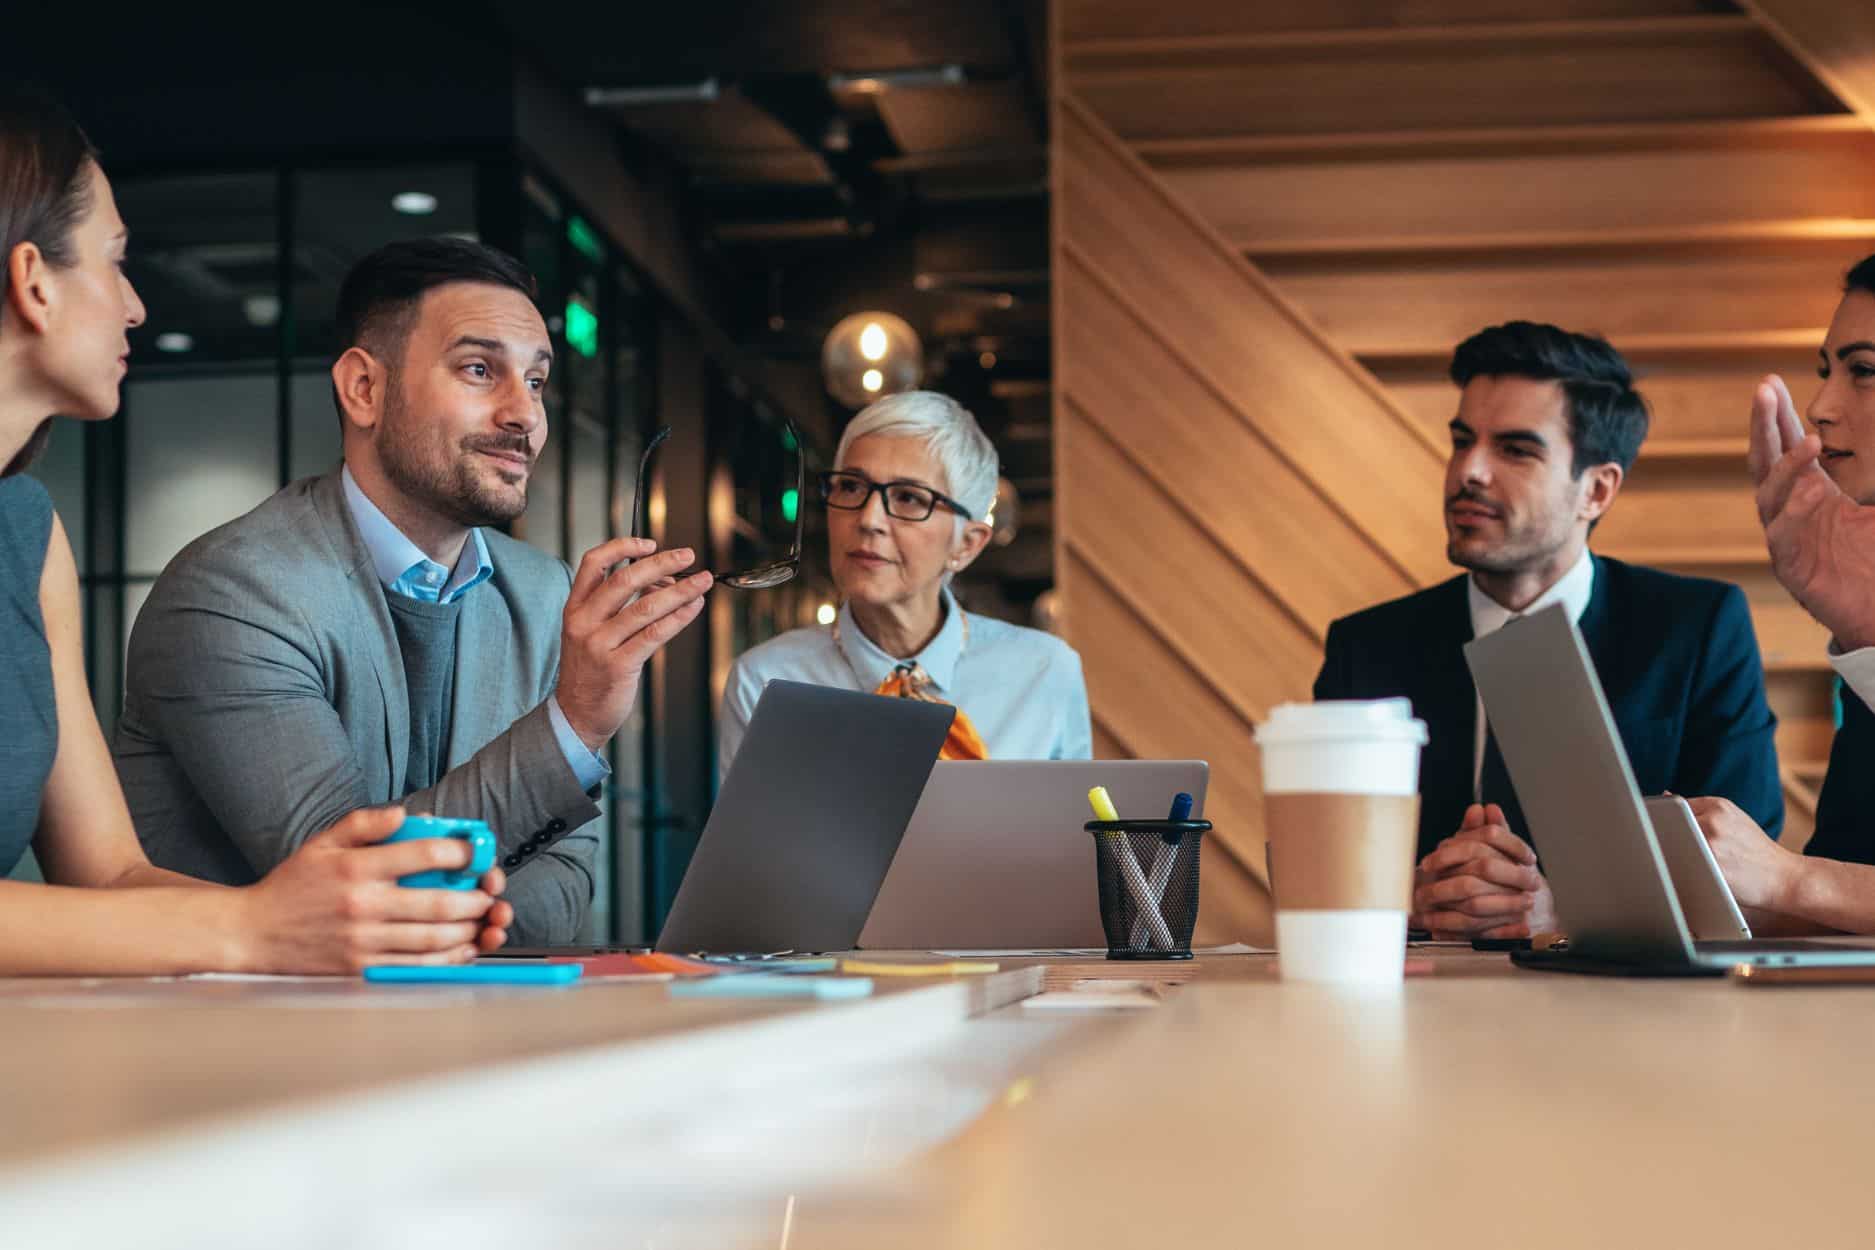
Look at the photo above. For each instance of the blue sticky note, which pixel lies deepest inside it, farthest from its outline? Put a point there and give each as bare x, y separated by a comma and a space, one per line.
772, 985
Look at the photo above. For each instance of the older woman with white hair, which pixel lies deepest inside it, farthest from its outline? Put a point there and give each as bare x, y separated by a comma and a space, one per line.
908, 503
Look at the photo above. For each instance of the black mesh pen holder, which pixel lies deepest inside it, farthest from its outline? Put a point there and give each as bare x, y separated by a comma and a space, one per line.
1148, 872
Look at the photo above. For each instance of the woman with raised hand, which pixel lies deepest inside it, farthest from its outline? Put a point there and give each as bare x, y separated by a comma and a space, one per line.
65, 312
1816, 501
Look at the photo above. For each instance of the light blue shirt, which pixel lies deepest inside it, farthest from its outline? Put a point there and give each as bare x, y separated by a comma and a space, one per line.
1021, 688
404, 570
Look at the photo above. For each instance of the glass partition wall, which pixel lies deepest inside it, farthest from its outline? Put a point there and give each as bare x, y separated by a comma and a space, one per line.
229, 396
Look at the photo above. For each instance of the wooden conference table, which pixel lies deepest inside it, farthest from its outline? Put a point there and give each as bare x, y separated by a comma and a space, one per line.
1475, 1105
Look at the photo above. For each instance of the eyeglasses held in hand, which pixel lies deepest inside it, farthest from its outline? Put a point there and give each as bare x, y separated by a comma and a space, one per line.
762, 576
908, 501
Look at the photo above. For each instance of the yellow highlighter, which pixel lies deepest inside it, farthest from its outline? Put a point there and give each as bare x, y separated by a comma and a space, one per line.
955, 967
1130, 871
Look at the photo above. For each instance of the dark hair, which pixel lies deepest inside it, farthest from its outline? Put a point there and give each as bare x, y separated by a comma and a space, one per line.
379, 298
1607, 416
45, 191
1861, 277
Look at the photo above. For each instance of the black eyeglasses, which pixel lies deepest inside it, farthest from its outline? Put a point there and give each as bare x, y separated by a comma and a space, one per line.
762, 576
908, 501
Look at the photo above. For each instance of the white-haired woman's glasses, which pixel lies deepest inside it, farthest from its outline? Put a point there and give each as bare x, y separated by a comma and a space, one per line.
762, 576
907, 501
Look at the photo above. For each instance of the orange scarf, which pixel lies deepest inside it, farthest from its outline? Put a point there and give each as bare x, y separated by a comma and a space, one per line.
910, 681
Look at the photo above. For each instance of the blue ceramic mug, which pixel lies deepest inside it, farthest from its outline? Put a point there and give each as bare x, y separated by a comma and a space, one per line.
476, 833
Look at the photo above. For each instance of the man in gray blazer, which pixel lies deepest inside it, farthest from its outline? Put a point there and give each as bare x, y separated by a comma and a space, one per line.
365, 637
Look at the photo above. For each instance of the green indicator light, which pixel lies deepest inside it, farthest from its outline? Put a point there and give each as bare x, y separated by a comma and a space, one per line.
790, 504
582, 328
787, 440
583, 237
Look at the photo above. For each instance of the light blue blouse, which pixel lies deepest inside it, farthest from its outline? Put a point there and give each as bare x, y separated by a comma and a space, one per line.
1021, 688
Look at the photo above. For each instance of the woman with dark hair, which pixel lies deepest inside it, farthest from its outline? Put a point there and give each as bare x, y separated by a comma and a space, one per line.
335, 905
1815, 495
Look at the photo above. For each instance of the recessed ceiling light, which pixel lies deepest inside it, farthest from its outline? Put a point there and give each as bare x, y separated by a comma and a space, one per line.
174, 341
415, 203
872, 379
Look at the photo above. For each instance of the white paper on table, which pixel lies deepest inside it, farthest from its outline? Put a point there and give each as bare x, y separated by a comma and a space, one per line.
1091, 1000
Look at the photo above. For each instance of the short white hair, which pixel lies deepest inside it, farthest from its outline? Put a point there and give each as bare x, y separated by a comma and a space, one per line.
963, 451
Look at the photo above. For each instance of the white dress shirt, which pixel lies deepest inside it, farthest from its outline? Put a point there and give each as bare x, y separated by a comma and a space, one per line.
1020, 687
1573, 590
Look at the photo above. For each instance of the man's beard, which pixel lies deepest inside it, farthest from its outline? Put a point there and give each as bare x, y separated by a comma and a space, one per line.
1519, 549
453, 489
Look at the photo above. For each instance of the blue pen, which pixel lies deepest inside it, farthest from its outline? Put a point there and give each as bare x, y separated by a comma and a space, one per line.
1164, 859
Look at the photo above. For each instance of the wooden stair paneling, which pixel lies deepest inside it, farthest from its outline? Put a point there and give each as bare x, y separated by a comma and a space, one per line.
1225, 474
1833, 39
1082, 20
1644, 523
1555, 73
1234, 903
1403, 308
1273, 223
1789, 184
1203, 604
1790, 638
1806, 715
1328, 415
1162, 708
1689, 408
1106, 746
1715, 402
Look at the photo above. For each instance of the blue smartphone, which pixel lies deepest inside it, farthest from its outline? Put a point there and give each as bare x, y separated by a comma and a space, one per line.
506, 972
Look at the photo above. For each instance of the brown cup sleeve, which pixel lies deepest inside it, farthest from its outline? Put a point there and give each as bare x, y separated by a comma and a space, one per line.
1341, 852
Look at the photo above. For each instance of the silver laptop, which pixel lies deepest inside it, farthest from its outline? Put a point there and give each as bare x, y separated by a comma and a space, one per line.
1600, 853
807, 821
995, 857
1712, 914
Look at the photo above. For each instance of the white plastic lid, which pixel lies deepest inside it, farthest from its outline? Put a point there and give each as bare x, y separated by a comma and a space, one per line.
1387, 720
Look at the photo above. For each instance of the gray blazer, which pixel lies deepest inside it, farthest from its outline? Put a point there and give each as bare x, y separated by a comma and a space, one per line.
265, 698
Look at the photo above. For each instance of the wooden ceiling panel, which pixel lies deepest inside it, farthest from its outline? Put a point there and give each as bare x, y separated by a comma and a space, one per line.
1406, 308
1154, 19
730, 123
979, 115
1587, 73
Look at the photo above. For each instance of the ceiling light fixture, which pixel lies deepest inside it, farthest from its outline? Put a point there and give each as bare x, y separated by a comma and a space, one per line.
174, 341
872, 84
870, 354
872, 342
414, 203
659, 93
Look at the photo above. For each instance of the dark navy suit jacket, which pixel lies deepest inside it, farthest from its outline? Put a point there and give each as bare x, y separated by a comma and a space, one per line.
1845, 819
1677, 659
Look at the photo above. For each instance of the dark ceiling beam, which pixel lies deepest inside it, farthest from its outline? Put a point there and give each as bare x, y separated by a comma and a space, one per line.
806, 108
1025, 24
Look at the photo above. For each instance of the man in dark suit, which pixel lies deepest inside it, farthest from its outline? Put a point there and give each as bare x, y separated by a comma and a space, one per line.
1548, 425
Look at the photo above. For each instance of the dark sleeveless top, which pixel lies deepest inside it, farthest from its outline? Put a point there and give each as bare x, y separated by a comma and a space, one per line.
29, 724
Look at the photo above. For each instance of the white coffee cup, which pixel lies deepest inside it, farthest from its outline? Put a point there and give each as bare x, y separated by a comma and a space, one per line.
1341, 808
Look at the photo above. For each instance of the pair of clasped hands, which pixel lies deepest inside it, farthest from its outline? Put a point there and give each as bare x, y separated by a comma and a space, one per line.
1483, 881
